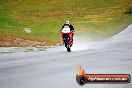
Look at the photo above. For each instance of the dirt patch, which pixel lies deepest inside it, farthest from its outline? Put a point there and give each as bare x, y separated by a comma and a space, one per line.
7, 40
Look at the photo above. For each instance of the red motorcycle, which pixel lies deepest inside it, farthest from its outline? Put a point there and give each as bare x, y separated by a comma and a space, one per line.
67, 38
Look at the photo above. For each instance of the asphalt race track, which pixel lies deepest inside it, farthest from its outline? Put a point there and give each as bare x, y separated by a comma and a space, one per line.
56, 68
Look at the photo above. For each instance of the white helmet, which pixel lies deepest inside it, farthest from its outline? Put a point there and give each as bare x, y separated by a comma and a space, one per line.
67, 22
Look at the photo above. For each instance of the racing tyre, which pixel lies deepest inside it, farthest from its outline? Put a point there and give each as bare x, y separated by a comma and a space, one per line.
68, 49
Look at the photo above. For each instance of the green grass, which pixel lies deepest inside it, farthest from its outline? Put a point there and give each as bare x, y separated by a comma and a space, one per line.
97, 18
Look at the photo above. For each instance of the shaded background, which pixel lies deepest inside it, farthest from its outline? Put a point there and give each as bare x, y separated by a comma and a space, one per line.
37, 23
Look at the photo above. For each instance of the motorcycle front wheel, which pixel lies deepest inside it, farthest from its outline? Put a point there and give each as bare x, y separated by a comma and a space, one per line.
68, 49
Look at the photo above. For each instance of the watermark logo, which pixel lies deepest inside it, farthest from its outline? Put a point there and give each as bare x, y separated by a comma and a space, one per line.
83, 78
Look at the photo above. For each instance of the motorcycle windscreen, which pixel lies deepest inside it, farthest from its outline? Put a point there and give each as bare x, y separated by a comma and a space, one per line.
65, 30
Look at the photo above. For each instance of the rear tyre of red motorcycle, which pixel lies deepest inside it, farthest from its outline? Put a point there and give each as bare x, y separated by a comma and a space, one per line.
68, 49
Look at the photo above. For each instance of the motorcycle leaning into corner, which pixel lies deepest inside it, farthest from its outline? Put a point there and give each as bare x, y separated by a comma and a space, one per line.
67, 38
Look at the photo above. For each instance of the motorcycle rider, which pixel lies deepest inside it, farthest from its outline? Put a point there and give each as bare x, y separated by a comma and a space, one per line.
67, 23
